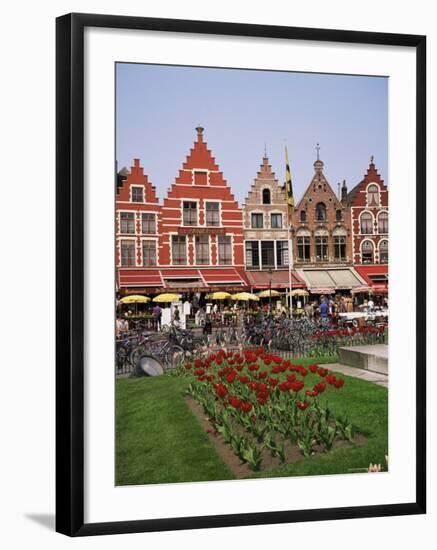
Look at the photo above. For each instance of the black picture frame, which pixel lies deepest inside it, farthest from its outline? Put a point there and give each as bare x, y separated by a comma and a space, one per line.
70, 273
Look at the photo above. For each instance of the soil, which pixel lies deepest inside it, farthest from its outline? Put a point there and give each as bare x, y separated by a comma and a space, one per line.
242, 469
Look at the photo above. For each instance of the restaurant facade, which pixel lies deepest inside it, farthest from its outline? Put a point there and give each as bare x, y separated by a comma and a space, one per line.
200, 240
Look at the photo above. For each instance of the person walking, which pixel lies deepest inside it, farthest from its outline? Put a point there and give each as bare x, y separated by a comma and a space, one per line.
324, 309
157, 316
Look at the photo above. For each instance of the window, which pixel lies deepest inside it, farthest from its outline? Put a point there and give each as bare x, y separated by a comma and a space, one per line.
372, 195
266, 196
321, 249
200, 178
320, 212
366, 223
281, 253
137, 194
276, 221
340, 248
224, 249
383, 252
303, 216
127, 223
257, 221
367, 252
190, 213
148, 223
212, 214
383, 223
202, 249
178, 249
149, 253
127, 252
252, 254
338, 215
303, 249
267, 254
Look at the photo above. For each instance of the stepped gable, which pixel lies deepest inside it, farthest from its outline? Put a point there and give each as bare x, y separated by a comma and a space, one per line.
372, 176
200, 171
265, 177
135, 177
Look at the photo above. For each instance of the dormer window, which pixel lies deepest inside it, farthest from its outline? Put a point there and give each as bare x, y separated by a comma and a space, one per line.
266, 196
137, 194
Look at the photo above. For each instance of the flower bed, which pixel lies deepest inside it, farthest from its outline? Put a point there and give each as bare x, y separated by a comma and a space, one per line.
265, 407
328, 342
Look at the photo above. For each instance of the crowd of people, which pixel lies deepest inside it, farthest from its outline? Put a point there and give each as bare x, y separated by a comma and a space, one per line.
208, 315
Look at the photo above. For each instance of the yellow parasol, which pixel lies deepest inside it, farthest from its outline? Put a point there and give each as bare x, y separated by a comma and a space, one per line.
268, 293
167, 298
219, 296
299, 292
135, 299
244, 296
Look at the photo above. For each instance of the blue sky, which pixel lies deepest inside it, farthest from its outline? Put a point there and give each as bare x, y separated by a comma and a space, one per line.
158, 108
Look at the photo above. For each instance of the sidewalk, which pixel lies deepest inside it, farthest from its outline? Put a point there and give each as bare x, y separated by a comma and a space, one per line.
375, 377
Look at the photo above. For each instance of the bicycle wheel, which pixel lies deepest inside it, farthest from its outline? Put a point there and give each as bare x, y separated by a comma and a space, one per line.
174, 357
135, 354
149, 366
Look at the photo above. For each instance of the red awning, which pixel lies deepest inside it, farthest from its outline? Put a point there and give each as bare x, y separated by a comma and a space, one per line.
222, 276
280, 279
376, 276
139, 278
180, 274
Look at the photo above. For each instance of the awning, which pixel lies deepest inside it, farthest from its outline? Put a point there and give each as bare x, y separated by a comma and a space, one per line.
139, 278
376, 276
280, 279
223, 276
327, 281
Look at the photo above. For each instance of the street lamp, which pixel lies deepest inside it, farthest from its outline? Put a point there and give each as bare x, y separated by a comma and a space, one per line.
270, 290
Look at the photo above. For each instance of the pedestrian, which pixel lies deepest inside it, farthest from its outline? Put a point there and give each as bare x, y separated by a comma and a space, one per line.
324, 309
176, 316
157, 316
207, 327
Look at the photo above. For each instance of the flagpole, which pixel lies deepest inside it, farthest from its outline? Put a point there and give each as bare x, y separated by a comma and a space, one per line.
290, 268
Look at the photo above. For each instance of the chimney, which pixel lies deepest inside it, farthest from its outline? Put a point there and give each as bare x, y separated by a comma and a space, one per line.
199, 131
344, 191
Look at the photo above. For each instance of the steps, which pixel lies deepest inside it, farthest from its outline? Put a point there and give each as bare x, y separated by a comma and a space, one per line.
370, 358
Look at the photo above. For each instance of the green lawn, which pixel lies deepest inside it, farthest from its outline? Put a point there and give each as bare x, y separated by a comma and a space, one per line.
158, 439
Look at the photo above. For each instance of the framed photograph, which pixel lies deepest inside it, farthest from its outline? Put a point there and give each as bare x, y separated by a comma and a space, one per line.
240, 274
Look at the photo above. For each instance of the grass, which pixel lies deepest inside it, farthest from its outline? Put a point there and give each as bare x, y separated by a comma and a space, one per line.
158, 439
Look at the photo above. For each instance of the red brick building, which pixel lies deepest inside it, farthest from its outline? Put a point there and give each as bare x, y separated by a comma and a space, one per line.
136, 231
368, 203
201, 227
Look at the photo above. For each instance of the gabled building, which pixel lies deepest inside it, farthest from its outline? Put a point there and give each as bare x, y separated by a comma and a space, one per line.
201, 229
368, 203
137, 219
322, 237
266, 232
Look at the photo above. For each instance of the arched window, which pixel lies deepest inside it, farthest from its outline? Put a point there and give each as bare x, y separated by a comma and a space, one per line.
338, 215
383, 223
372, 195
320, 212
266, 196
383, 252
366, 223
367, 250
303, 216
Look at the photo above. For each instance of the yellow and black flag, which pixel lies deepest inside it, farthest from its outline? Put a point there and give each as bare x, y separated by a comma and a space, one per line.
288, 189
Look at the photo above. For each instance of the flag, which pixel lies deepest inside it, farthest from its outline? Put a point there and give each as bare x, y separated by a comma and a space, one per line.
288, 189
